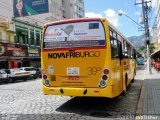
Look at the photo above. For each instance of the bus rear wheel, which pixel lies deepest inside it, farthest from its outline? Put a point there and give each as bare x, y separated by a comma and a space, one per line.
133, 76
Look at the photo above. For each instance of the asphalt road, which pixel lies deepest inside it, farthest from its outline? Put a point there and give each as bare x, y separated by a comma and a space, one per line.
25, 101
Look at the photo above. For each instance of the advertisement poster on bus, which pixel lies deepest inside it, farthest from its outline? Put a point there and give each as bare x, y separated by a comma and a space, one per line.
75, 35
29, 7
13, 50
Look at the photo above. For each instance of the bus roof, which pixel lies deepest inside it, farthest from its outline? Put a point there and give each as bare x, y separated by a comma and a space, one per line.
72, 21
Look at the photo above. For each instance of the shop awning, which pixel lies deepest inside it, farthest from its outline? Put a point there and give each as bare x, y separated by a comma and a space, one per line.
156, 54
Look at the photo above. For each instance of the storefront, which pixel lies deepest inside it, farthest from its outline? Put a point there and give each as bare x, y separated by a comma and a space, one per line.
34, 56
3, 62
156, 55
14, 54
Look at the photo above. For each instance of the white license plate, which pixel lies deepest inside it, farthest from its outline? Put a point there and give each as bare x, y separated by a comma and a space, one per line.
72, 71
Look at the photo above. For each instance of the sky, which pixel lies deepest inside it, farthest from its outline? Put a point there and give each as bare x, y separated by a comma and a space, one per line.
110, 9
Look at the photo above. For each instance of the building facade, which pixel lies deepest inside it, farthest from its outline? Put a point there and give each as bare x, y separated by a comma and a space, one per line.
79, 8
24, 33
158, 22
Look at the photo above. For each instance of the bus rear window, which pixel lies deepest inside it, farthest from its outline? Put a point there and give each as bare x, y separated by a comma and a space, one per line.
93, 25
80, 34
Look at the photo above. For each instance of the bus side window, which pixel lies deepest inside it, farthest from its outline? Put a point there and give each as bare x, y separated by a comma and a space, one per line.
120, 50
134, 53
114, 48
129, 50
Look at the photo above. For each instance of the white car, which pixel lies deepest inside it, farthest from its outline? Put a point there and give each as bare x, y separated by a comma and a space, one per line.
31, 70
17, 74
3, 76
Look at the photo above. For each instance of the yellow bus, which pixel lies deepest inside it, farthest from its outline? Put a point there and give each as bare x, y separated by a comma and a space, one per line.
86, 57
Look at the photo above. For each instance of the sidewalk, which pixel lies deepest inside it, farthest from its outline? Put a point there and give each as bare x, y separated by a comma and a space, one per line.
149, 102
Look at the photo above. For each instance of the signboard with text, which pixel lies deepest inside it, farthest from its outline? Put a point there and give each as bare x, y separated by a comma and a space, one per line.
29, 7
33, 52
13, 50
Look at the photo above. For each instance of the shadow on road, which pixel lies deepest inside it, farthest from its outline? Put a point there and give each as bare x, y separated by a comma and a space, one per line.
105, 107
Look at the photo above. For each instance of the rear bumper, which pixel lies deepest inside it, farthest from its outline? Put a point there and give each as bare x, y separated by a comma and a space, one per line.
92, 92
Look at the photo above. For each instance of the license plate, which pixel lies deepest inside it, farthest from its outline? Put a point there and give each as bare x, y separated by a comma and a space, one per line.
72, 71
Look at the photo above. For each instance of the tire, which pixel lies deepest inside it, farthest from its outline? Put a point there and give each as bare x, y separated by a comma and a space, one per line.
11, 80
25, 79
6, 82
133, 80
133, 77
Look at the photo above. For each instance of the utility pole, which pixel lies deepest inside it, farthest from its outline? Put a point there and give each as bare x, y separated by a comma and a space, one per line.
145, 10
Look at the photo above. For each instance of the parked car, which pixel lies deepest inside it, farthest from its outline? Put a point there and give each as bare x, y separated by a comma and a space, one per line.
3, 76
17, 74
31, 70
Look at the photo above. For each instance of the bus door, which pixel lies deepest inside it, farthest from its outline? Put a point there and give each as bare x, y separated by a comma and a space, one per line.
120, 53
116, 63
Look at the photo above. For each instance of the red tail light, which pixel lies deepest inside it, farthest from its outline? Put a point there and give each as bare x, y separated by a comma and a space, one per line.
44, 76
106, 71
104, 78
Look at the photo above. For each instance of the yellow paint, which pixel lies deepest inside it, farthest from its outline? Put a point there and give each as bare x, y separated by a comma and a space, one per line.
90, 71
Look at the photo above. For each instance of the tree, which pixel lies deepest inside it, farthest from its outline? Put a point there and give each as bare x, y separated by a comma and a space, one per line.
151, 48
141, 49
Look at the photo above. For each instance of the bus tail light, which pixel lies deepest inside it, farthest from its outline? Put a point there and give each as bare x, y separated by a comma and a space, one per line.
43, 71
106, 71
102, 83
44, 76
104, 78
46, 82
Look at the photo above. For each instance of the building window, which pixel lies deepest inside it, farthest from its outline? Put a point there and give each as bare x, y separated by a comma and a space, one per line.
32, 38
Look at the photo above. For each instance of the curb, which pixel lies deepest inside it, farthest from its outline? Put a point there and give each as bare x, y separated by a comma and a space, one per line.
140, 105
139, 111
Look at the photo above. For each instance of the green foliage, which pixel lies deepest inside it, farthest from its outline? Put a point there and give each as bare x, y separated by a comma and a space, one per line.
151, 48
142, 49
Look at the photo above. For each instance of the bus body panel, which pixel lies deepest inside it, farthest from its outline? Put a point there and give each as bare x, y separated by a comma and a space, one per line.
89, 64
69, 91
90, 68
